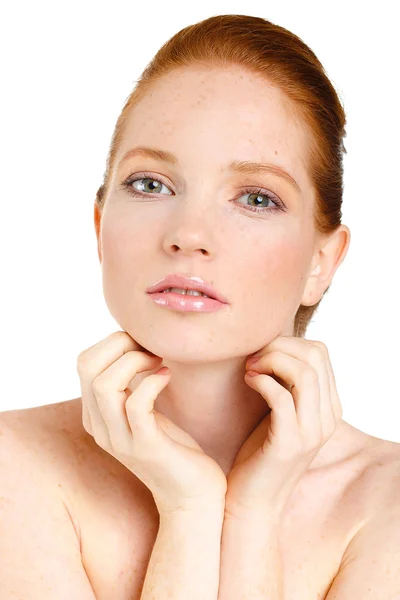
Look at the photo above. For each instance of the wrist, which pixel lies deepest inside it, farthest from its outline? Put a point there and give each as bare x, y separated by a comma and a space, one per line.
199, 512
203, 526
252, 517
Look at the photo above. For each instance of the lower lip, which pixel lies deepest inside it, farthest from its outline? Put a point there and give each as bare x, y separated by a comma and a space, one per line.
184, 303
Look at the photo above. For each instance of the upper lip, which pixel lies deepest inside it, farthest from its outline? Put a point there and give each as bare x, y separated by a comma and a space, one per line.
186, 283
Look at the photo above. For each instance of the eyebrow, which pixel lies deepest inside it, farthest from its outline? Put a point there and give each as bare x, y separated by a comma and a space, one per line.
238, 166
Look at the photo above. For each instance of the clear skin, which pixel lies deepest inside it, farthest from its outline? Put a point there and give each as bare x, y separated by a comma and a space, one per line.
266, 264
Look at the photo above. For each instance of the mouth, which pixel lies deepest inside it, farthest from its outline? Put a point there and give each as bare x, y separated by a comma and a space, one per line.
188, 292
188, 286
186, 301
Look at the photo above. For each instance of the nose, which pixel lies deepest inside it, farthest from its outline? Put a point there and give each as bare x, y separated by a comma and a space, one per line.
192, 229
189, 239
188, 250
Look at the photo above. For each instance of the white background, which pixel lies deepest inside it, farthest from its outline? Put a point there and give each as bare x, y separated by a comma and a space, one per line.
67, 69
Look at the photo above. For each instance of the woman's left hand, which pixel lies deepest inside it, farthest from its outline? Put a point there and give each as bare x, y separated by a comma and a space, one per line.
305, 409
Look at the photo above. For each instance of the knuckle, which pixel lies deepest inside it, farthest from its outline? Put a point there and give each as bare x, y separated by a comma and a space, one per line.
82, 361
118, 335
308, 375
315, 352
84, 367
98, 384
320, 345
124, 340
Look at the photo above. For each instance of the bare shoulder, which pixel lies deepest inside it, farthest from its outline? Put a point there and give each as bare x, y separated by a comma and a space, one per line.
369, 566
53, 434
113, 513
88, 478
389, 461
383, 464
38, 437
40, 546
374, 494
43, 432
380, 480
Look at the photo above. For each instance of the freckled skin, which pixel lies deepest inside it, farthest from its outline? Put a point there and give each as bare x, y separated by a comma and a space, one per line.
264, 263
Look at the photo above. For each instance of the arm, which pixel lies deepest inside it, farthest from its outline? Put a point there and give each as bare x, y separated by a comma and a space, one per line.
250, 561
186, 556
370, 564
251, 567
40, 556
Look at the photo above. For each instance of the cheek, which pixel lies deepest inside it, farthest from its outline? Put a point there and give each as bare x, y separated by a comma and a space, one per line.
125, 242
125, 245
272, 278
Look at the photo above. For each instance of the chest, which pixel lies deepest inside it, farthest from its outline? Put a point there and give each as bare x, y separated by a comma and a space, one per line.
119, 526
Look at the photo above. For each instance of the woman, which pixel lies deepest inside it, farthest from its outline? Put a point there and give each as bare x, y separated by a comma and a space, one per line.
199, 480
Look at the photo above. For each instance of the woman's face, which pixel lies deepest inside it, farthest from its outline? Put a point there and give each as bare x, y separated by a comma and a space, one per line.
259, 260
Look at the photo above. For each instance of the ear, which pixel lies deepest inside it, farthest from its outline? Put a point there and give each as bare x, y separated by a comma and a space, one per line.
97, 222
330, 253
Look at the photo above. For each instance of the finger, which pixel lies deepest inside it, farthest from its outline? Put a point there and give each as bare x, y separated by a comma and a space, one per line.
87, 369
139, 408
336, 404
305, 388
312, 354
125, 417
95, 361
107, 412
331, 410
316, 354
283, 419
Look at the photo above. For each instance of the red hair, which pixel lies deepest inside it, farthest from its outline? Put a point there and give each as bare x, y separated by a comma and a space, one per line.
285, 61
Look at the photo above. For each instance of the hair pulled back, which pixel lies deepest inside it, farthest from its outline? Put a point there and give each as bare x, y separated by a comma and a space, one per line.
288, 63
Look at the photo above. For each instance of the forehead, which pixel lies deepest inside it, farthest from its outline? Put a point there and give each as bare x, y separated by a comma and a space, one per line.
215, 93
227, 111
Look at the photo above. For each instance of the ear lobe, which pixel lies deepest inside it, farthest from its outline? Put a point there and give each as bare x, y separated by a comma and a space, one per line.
311, 293
317, 270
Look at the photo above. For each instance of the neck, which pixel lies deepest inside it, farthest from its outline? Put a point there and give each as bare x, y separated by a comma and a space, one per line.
213, 404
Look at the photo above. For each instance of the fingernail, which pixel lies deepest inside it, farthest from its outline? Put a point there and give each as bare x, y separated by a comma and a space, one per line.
251, 374
253, 361
163, 371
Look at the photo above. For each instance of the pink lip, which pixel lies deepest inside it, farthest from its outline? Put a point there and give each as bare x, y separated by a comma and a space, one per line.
186, 283
184, 303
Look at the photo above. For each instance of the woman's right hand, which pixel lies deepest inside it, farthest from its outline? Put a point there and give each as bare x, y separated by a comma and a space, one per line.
125, 424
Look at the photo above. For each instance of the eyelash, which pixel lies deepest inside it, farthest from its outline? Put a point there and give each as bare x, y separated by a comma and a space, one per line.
279, 205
